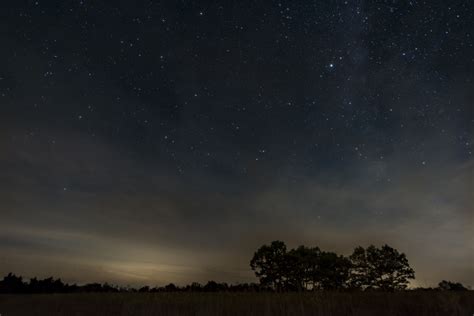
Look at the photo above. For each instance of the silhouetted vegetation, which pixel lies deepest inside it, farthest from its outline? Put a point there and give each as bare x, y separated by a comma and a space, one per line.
306, 268
451, 286
301, 281
278, 269
13, 284
379, 268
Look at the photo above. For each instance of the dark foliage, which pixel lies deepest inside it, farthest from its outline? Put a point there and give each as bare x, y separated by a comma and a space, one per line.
13, 284
270, 264
451, 286
379, 268
306, 268
299, 269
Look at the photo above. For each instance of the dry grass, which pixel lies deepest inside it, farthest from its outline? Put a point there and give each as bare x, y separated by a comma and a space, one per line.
325, 304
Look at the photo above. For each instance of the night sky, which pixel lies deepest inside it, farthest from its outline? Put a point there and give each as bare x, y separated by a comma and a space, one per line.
147, 142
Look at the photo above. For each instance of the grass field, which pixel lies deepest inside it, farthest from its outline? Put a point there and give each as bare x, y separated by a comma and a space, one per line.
325, 303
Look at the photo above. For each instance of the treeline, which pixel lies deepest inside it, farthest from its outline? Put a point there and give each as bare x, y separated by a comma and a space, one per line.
278, 269
310, 268
14, 284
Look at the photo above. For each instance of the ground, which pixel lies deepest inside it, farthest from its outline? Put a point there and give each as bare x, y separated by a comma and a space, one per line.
419, 303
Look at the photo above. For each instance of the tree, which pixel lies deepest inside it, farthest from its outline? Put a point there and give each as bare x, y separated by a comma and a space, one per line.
359, 269
451, 286
144, 289
213, 286
171, 288
380, 268
332, 271
12, 284
300, 265
269, 265
299, 269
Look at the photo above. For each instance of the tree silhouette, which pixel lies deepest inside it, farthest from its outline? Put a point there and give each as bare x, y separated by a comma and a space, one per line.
299, 269
333, 271
380, 268
171, 287
269, 265
12, 284
306, 268
359, 277
301, 263
451, 286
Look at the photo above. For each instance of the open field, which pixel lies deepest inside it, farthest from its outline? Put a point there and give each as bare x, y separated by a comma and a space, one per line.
419, 303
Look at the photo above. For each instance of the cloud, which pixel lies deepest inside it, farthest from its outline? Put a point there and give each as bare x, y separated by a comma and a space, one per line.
126, 221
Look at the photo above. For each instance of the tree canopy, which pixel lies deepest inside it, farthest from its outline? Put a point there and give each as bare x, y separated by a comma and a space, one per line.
380, 268
305, 268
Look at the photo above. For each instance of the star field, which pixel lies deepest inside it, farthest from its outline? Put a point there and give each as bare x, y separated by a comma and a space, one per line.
160, 141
